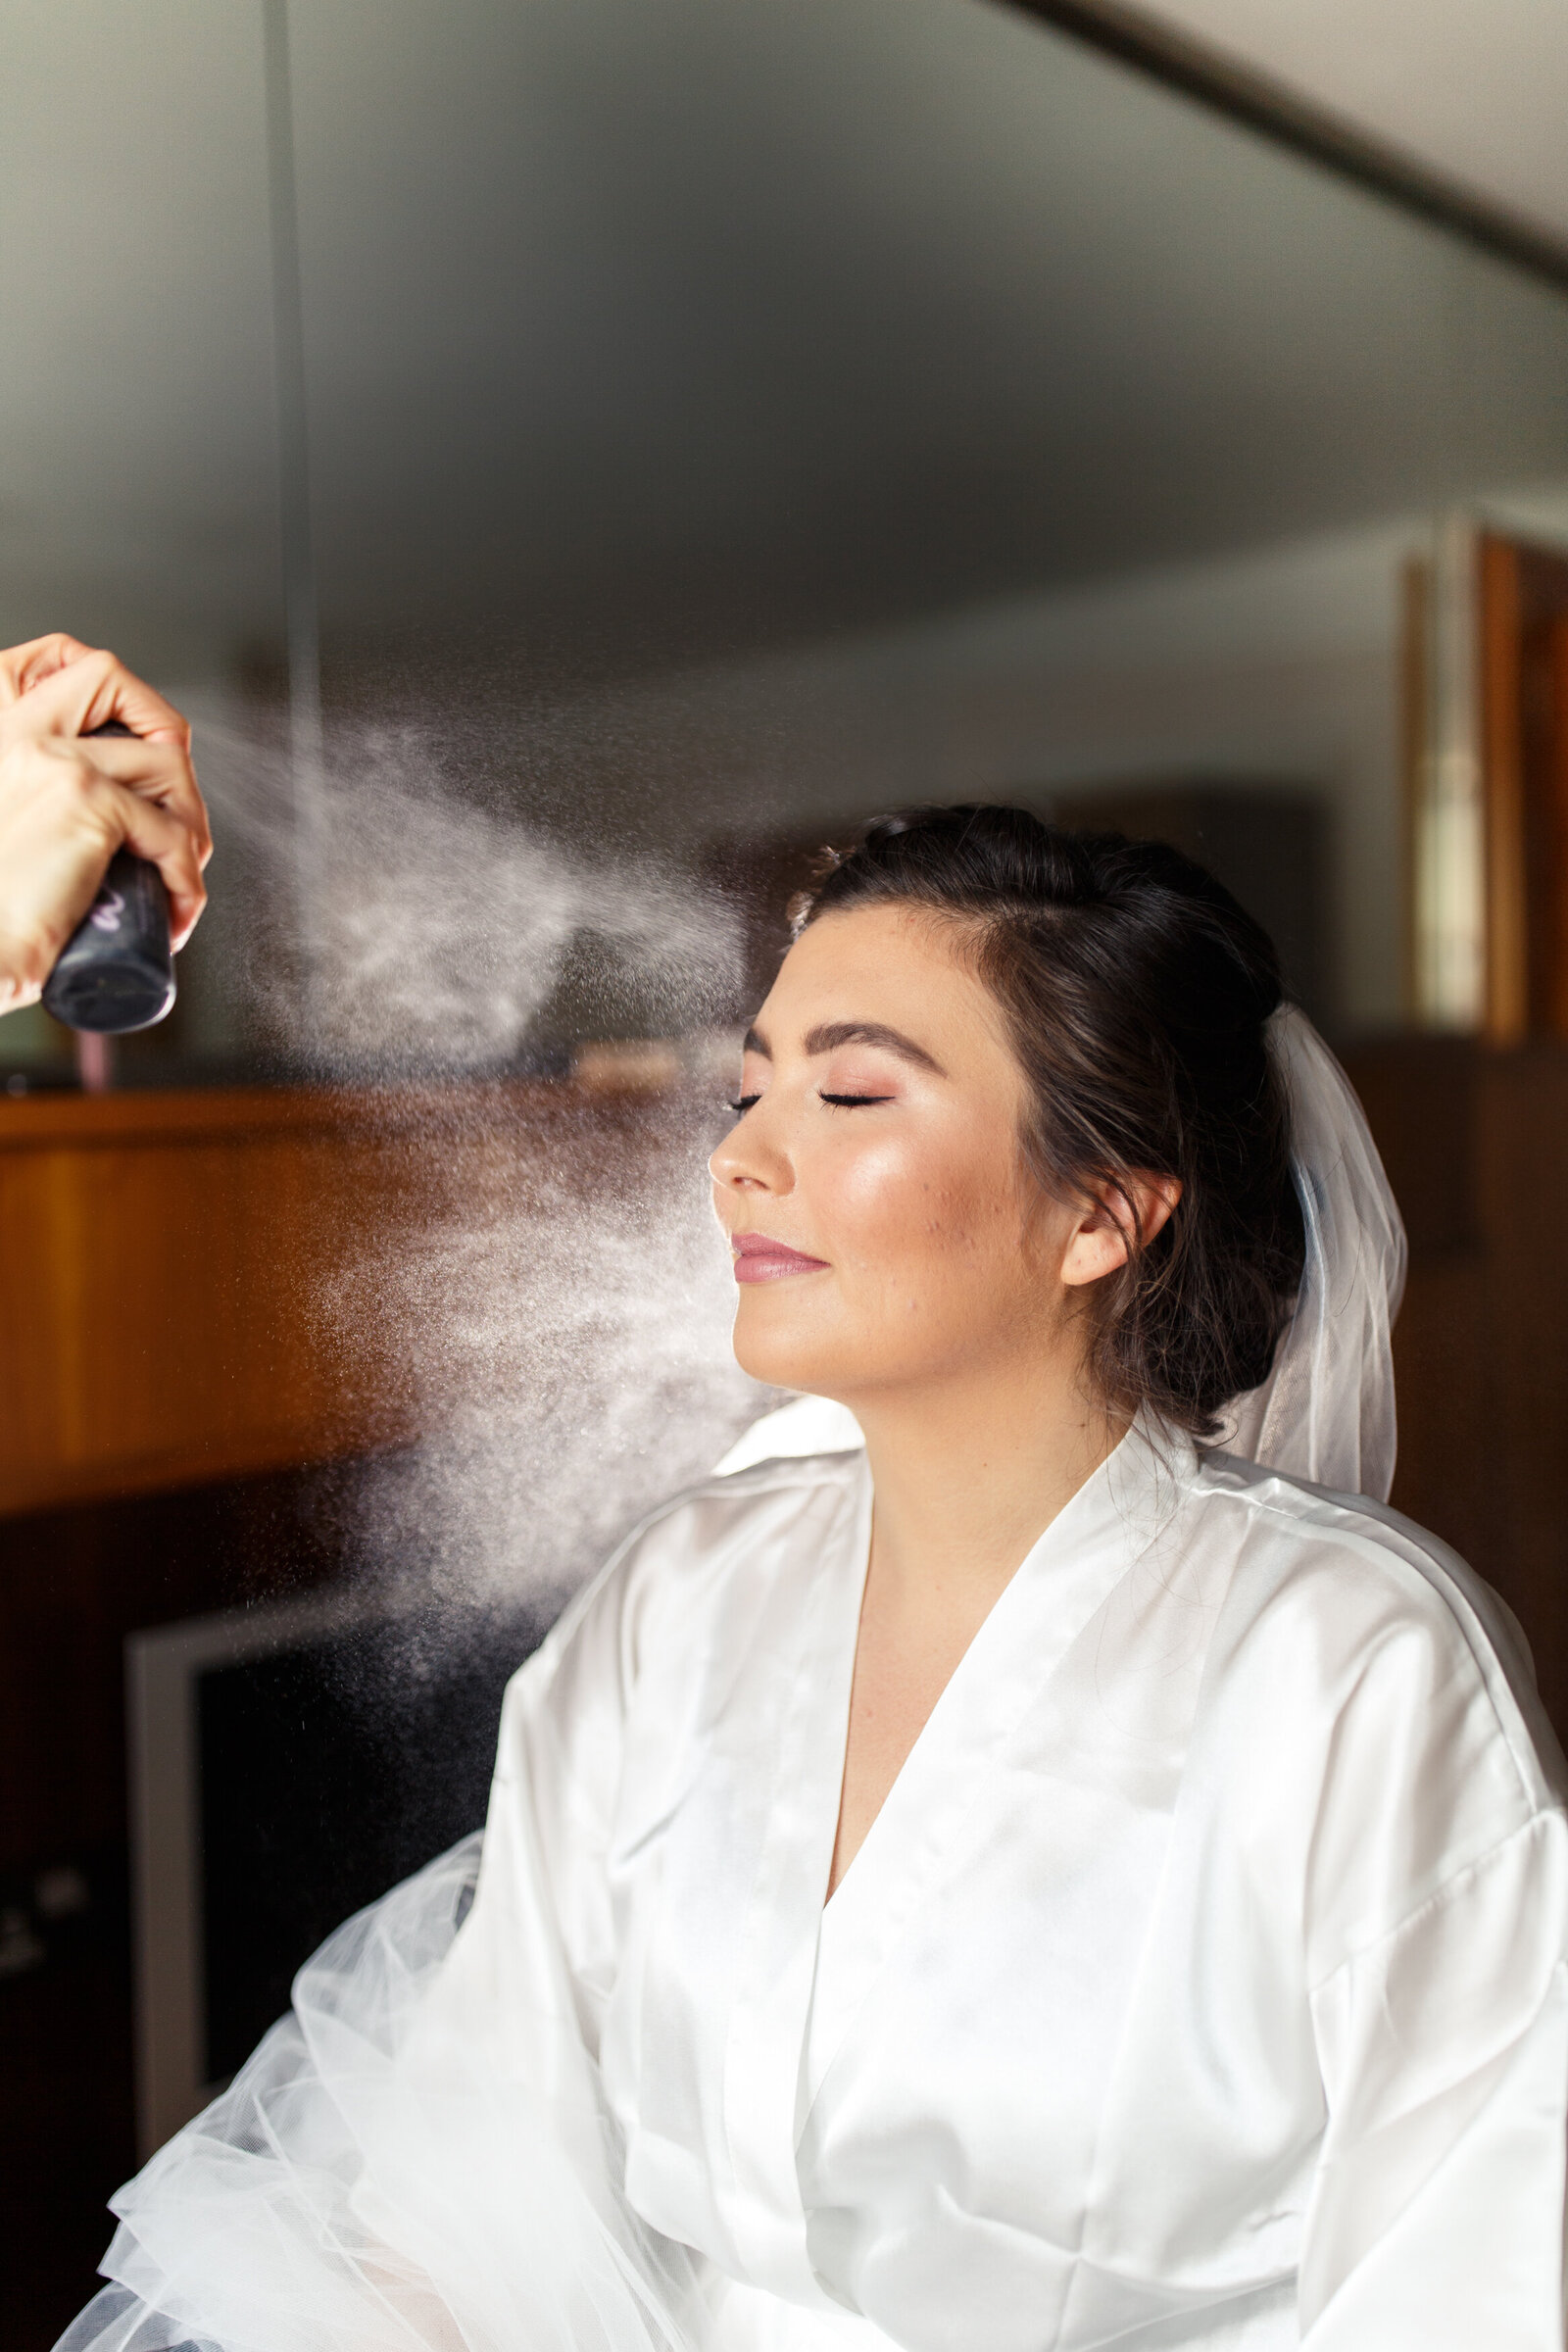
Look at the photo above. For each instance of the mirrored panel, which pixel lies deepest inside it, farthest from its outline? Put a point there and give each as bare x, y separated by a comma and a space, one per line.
704, 424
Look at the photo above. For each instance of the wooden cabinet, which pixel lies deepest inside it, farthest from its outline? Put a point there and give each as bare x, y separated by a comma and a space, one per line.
175, 1268
163, 1260
1476, 1146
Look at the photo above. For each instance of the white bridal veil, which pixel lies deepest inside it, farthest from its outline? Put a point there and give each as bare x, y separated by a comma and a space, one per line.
1325, 1411
409, 2165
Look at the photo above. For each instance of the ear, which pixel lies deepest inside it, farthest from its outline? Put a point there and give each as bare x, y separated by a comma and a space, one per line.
1118, 1220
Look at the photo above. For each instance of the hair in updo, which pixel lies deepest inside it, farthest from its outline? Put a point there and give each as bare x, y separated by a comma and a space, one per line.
1135, 992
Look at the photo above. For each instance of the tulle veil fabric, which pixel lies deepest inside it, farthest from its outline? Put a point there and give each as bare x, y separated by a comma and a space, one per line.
386, 2173
1325, 1411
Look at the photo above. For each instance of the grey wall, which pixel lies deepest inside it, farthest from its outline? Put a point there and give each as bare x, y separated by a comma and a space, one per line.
723, 413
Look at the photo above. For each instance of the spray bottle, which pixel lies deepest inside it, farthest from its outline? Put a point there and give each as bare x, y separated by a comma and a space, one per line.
116, 971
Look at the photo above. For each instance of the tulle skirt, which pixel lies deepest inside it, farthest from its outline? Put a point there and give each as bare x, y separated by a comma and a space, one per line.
379, 2178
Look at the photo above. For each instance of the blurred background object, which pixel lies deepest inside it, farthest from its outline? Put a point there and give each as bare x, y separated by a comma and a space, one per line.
571, 459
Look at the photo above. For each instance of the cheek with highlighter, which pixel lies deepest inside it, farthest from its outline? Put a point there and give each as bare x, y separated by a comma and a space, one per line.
887, 1210
920, 1227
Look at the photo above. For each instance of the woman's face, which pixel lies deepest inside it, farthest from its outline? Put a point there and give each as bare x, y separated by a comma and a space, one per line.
885, 1228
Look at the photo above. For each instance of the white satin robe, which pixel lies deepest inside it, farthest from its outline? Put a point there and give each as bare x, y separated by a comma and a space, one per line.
1202, 1982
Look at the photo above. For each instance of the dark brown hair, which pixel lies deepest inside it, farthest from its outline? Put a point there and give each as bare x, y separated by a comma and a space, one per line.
1135, 991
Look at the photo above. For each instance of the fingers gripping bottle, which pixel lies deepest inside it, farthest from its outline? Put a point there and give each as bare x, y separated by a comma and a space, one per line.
116, 971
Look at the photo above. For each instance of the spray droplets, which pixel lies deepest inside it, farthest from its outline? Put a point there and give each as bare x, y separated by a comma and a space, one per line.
572, 1358
405, 928
559, 1304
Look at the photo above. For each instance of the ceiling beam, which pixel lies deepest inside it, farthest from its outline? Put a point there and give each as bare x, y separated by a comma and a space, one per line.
1174, 58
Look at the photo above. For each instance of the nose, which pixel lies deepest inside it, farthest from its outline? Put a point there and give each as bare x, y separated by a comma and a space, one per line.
751, 1158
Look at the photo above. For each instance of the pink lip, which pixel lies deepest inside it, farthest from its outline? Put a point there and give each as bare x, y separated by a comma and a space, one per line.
758, 1259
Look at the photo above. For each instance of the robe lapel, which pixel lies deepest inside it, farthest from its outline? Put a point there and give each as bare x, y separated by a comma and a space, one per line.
778, 1952
1065, 1577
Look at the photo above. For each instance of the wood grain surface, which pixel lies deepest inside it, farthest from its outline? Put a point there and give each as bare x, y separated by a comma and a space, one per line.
172, 1269
1476, 1146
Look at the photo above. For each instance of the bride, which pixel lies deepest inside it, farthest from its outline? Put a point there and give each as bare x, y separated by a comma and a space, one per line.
1036, 1859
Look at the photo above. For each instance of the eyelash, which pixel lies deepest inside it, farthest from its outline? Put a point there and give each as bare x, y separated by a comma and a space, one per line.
837, 1102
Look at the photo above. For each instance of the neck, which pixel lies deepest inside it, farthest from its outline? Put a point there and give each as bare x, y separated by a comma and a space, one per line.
969, 1472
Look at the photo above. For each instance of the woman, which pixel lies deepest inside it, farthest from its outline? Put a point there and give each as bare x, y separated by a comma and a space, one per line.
1191, 1966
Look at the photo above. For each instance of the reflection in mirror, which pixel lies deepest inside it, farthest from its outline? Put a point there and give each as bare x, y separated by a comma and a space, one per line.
728, 419
571, 459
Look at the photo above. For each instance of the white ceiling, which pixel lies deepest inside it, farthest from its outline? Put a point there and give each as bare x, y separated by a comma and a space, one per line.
1477, 90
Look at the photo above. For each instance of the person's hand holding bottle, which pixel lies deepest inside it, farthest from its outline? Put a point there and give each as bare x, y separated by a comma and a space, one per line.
68, 799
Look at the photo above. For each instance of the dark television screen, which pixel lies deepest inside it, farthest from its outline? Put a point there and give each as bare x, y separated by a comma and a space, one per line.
329, 1772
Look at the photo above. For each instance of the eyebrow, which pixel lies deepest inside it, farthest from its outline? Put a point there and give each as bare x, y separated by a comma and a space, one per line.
830, 1035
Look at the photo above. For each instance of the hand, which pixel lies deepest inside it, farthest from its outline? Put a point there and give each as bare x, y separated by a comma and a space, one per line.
68, 804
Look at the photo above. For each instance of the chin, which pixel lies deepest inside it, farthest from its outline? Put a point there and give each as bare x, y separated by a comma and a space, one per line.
784, 1349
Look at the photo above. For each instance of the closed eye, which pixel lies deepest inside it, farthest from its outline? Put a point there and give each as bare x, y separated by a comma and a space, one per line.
838, 1102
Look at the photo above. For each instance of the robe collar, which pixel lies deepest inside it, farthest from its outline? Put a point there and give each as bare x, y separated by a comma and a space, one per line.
794, 1952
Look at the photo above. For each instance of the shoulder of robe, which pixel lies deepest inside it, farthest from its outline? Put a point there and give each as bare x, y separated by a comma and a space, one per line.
1384, 1612
736, 1522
